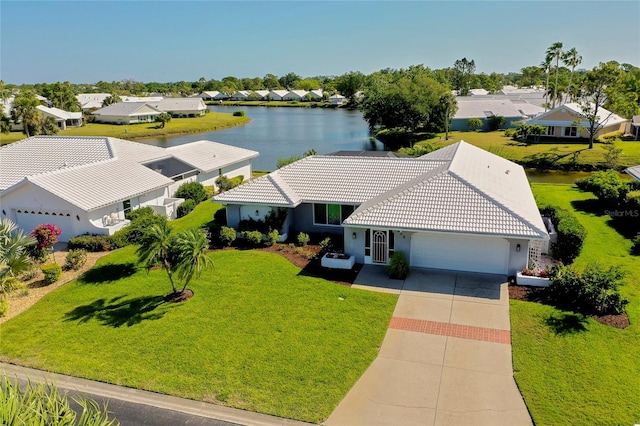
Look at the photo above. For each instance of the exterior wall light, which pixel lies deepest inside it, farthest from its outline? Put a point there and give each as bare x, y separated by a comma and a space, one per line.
517, 247
354, 236
77, 217
257, 212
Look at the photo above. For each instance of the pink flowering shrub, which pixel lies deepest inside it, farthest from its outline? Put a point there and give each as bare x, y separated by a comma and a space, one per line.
46, 235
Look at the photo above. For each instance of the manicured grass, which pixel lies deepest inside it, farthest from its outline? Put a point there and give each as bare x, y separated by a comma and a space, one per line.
257, 334
177, 126
198, 217
573, 370
558, 154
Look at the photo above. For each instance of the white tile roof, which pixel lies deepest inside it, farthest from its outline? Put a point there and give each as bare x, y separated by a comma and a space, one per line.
479, 107
180, 104
459, 188
60, 113
207, 155
91, 172
605, 117
635, 172
96, 97
124, 109
338, 179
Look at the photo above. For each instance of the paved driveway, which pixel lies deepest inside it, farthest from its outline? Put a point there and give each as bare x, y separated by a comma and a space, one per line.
446, 358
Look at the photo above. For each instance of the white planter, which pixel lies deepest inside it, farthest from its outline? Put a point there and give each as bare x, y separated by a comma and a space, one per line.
328, 262
532, 281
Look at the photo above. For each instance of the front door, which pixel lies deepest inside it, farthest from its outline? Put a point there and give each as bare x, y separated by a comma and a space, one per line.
379, 251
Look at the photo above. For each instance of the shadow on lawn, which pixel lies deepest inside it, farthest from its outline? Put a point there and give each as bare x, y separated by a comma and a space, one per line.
109, 272
118, 312
566, 323
622, 219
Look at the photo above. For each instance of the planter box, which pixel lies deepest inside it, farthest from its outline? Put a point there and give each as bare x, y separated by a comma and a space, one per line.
532, 281
335, 263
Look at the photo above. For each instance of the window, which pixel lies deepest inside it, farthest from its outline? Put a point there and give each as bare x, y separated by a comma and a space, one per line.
571, 132
551, 130
331, 214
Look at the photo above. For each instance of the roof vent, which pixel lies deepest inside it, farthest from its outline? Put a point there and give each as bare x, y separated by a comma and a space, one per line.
507, 172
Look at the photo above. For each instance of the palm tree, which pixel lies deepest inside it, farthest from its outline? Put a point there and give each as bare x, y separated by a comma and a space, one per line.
13, 255
555, 51
24, 109
156, 247
572, 59
192, 246
546, 66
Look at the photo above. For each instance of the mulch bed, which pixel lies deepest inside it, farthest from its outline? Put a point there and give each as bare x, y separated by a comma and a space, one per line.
178, 297
537, 294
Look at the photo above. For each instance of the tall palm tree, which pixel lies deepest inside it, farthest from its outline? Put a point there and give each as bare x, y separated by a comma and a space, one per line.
546, 66
555, 52
572, 59
156, 247
24, 109
192, 246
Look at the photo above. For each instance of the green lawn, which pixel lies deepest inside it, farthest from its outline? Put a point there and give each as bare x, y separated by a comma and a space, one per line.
257, 334
177, 126
572, 370
198, 217
559, 155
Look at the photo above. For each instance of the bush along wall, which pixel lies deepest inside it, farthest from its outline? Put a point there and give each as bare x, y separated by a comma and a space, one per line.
571, 233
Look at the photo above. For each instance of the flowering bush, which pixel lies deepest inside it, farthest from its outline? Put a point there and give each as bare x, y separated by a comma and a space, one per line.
46, 235
542, 273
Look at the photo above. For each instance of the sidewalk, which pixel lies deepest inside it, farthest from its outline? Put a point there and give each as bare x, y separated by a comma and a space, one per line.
446, 358
186, 406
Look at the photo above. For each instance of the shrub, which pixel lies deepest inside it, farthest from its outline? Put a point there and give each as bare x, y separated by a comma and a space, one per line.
303, 239
224, 183
4, 306
75, 260
571, 233
46, 235
511, 133
326, 245
595, 290
272, 237
238, 113
398, 267
496, 122
185, 208
191, 191
474, 123
418, 150
134, 233
607, 185
92, 243
210, 191
52, 273
635, 248
137, 213
220, 216
227, 235
633, 200
253, 238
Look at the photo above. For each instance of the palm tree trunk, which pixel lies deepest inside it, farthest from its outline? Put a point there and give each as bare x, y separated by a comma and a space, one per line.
555, 89
167, 267
546, 91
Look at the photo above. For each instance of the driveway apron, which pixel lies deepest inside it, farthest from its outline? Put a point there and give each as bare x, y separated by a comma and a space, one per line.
446, 357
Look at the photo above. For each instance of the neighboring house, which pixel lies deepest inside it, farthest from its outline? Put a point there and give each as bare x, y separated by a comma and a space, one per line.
635, 172
260, 94
240, 95
276, 95
634, 128
568, 121
63, 118
91, 101
213, 96
181, 107
458, 208
483, 108
295, 95
87, 184
337, 99
147, 99
316, 95
478, 92
127, 113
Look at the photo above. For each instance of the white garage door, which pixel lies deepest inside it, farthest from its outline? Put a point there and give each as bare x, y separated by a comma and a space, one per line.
28, 221
460, 253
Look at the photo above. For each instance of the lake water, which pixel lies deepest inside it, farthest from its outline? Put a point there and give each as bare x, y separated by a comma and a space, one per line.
283, 132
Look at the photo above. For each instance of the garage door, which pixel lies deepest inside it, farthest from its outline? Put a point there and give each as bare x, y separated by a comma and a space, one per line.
460, 253
28, 221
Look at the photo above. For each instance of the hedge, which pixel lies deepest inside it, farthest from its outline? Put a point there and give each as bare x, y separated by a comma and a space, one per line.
571, 233
52, 272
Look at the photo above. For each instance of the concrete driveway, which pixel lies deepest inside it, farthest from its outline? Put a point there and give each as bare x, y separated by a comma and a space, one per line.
446, 358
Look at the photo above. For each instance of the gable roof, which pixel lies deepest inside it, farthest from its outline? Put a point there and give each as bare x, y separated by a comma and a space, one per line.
125, 109
459, 188
207, 155
605, 117
60, 113
484, 108
180, 104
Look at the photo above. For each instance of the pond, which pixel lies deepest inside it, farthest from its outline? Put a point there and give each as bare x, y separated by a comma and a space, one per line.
283, 132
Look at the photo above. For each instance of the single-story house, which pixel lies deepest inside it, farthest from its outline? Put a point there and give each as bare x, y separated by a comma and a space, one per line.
568, 121
295, 95
478, 92
147, 99
483, 108
213, 95
337, 99
457, 208
90, 101
182, 107
276, 95
63, 118
635, 172
127, 113
87, 184
634, 127
260, 94
316, 95
240, 95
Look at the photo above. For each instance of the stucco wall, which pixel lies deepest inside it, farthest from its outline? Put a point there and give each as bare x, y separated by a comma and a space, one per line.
233, 215
243, 168
355, 247
517, 259
303, 222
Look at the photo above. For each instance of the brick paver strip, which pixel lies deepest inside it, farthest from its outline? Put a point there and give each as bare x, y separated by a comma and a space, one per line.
452, 330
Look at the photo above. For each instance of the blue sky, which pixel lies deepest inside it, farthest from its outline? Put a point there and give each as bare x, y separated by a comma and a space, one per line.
88, 41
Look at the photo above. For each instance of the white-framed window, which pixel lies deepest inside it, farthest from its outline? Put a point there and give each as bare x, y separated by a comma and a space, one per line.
570, 132
551, 130
331, 214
